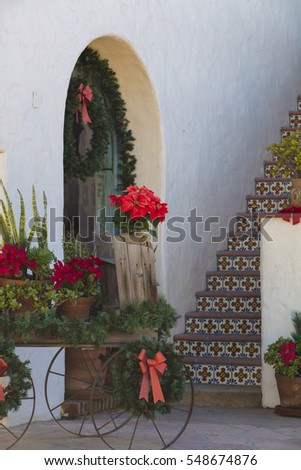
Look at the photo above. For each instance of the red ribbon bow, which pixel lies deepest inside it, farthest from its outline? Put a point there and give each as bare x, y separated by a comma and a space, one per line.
84, 97
288, 212
3, 369
151, 367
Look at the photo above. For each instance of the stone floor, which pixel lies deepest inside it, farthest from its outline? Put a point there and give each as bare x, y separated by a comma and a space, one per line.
208, 428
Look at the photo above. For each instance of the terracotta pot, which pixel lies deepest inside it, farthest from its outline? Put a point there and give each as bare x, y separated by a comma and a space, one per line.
76, 311
295, 192
27, 304
289, 390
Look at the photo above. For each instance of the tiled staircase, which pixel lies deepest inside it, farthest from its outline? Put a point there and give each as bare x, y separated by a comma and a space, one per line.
222, 340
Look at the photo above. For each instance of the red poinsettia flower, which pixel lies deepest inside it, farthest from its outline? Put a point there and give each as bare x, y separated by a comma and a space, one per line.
14, 261
83, 270
139, 202
287, 353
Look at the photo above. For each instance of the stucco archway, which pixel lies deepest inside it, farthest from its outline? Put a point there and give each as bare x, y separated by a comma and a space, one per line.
142, 108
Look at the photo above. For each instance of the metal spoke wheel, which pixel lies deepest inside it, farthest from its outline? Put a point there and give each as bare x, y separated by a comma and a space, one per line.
120, 429
68, 384
10, 434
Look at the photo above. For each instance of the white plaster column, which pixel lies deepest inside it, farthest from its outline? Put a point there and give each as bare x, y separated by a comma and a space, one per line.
280, 290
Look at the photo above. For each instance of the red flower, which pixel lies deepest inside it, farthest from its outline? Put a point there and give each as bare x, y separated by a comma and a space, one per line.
77, 269
287, 353
14, 262
140, 202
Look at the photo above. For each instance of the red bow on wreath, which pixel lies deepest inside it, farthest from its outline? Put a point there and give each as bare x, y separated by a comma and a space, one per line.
3, 369
153, 367
84, 97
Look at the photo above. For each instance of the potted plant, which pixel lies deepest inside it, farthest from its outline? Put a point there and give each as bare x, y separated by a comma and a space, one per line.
287, 157
284, 355
77, 280
138, 211
25, 270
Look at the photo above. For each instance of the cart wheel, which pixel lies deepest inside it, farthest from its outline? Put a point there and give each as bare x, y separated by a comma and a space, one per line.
120, 429
71, 410
10, 435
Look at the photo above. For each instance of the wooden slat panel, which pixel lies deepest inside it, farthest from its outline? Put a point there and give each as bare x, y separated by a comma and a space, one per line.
149, 272
123, 273
136, 272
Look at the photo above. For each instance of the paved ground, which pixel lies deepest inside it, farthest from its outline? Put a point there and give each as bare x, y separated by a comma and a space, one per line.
207, 429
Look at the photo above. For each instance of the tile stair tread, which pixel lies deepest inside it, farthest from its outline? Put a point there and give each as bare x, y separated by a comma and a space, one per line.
223, 315
214, 293
264, 196
272, 180
222, 361
286, 128
238, 252
295, 112
234, 273
217, 337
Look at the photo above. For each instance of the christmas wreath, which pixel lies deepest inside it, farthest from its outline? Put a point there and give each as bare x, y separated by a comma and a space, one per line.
77, 164
14, 390
144, 391
106, 109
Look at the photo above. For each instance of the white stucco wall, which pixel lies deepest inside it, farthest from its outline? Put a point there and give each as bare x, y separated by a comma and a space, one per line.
224, 74
280, 291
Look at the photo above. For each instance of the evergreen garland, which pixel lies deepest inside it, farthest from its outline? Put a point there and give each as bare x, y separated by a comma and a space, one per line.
20, 379
98, 75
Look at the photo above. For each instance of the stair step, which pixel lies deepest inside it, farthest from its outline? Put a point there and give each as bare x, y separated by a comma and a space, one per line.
268, 167
266, 204
244, 241
223, 323
224, 396
273, 186
286, 131
235, 281
218, 346
238, 260
214, 301
295, 119
228, 371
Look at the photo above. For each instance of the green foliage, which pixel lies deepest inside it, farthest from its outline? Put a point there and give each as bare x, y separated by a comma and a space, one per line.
44, 259
16, 234
287, 154
127, 375
273, 355
74, 248
19, 374
83, 165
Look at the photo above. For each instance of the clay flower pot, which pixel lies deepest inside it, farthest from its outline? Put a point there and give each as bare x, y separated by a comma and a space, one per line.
76, 311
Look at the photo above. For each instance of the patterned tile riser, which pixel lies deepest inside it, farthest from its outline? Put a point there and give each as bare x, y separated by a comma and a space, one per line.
233, 283
266, 205
228, 304
247, 224
295, 120
244, 243
217, 349
240, 263
273, 188
217, 326
225, 375
268, 171
286, 132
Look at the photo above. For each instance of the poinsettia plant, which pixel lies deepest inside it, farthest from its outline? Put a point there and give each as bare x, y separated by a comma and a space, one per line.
138, 209
78, 275
284, 354
15, 262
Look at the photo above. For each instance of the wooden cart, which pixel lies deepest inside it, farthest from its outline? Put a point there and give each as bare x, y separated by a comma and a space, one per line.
96, 412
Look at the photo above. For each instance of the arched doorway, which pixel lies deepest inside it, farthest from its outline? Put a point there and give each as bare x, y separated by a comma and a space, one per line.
98, 144
140, 118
